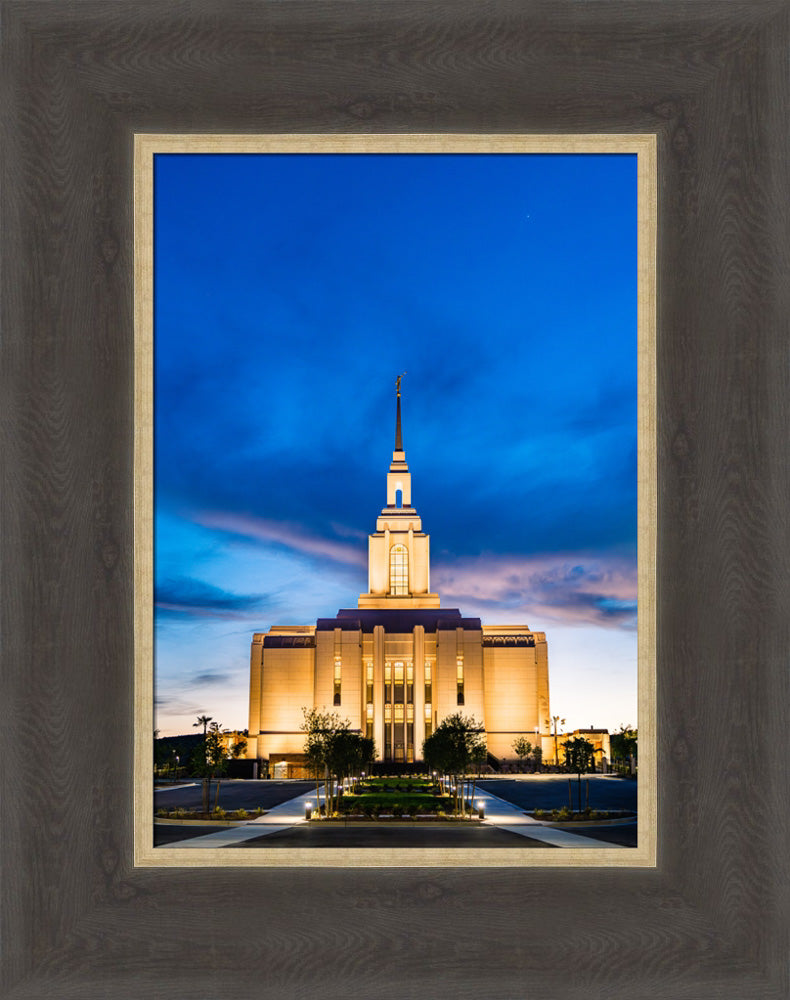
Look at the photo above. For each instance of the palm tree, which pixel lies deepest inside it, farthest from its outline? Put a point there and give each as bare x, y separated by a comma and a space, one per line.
203, 720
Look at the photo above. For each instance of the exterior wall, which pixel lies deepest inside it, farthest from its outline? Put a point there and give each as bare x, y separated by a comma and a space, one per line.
321, 696
286, 686
470, 646
542, 680
444, 684
353, 682
516, 687
256, 660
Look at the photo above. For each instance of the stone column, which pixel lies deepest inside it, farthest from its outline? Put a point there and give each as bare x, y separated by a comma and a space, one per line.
419, 689
378, 688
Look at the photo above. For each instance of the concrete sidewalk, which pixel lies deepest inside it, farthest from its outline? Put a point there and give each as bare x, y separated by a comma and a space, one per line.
512, 818
281, 817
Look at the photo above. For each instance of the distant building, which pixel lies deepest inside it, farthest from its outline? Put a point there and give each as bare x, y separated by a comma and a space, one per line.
598, 737
398, 663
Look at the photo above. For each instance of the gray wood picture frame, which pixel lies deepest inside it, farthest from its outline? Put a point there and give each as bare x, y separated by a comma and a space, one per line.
711, 80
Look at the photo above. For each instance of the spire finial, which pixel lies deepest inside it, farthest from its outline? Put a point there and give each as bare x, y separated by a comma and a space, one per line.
398, 437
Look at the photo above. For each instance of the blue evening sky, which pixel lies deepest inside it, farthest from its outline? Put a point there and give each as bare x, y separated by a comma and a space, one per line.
290, 292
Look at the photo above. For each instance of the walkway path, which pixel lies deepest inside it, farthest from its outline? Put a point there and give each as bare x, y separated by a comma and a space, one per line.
512, 818
498, 813
281, 817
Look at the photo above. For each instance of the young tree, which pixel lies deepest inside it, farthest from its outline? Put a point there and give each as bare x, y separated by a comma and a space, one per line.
523, 748
579, 753
451, 749
210, 760
537, 756
333, 749
624, 744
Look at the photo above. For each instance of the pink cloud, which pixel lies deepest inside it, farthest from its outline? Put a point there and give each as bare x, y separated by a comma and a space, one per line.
568, 588
293, 537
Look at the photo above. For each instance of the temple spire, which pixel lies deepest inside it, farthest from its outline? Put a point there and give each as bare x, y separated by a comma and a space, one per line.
398, 436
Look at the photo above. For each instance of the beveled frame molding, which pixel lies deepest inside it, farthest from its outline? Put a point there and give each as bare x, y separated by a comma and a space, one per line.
145, 149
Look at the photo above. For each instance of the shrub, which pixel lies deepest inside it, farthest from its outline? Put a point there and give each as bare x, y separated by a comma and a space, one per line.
397, 810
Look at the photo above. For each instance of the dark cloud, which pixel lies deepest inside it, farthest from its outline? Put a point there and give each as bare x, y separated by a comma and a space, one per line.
212, 677
185, 596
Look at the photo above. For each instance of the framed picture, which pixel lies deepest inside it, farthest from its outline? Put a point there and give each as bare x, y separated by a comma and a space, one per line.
81, 919
360, 249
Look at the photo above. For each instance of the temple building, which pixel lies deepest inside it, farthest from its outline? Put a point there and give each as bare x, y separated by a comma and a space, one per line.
398, 663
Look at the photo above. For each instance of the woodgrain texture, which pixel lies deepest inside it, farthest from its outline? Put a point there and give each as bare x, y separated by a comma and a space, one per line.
711, 79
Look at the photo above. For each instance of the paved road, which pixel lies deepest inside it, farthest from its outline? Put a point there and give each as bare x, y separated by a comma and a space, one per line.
233, 794
624, 835
392, 835
551, 791
176, 833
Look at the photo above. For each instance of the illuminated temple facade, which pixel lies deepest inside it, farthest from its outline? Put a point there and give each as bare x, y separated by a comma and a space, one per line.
398, 663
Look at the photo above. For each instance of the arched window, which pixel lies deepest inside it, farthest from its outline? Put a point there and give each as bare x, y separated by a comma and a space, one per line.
399, 570
398, 498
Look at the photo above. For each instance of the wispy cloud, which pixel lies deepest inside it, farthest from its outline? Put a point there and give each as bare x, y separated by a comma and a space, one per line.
290, 536
573, 589
185, 596
212, 677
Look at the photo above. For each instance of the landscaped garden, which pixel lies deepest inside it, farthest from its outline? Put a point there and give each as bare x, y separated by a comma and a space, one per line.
394, 798
564, 815
216, 815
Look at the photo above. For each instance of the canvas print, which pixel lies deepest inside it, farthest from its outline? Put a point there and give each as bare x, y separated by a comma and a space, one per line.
395, 501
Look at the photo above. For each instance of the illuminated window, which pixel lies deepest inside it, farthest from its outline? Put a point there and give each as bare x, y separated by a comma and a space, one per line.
410, 713
428, 726
398, 689
338, 669
399, 713
459, 673
409, 682
428, 677
399, 570
387, 682
369, 682
388, 713
369, 721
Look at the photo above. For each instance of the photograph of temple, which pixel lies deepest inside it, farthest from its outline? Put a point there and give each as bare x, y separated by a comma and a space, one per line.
399, 663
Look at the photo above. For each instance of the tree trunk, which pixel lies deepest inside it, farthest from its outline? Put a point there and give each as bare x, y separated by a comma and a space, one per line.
206, 794
216, 797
